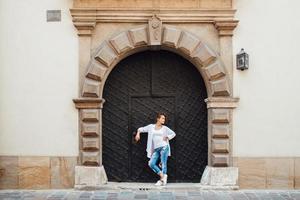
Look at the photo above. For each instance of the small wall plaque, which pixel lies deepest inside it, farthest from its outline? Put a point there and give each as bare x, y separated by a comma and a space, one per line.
53, 15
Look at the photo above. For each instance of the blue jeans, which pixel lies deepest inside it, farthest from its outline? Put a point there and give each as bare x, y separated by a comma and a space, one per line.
162, 153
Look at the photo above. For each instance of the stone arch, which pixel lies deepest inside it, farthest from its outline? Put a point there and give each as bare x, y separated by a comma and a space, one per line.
137, 39
155, 36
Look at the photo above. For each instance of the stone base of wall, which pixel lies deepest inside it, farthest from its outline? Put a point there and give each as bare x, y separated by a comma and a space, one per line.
38, 172
42, 172
220, 176
89, 178
268, 173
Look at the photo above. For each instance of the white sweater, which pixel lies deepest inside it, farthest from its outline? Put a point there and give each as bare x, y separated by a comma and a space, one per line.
149, 129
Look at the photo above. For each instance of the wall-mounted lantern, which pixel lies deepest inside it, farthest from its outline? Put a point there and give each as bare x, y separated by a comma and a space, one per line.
242, 60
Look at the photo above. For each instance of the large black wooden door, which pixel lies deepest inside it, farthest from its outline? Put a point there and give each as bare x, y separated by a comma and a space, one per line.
137, 88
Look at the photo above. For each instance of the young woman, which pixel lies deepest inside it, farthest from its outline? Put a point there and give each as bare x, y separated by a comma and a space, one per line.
158, 146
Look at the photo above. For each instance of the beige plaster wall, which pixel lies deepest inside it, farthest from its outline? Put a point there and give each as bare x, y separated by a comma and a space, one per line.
266, 122
38, 79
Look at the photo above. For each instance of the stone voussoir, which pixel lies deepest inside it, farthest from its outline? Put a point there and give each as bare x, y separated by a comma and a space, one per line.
220, 87
91, 88
171, 36
106, 54
204, 55
139, 36
121, 42
214, 71
96, 71
188, 43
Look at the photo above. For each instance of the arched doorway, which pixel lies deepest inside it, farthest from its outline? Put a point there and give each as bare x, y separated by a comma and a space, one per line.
138, 87
110, 52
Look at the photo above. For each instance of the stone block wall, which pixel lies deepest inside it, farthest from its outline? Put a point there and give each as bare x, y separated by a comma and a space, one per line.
37, 172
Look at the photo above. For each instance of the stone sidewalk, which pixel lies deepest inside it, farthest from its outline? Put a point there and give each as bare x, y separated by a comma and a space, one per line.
164, 194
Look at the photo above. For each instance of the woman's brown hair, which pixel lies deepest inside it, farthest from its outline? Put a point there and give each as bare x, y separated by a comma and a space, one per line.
159, 114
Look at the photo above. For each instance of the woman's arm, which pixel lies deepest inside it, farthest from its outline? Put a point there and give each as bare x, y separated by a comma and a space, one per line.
144, 129
170, 133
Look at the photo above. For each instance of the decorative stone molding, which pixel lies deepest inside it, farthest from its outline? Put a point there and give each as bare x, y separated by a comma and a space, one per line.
85, 28
88, 103
226, 28
85, 19
221, 102
157, 4
142, 15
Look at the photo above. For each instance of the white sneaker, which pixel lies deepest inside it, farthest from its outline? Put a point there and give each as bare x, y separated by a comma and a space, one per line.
159, 183
165, 179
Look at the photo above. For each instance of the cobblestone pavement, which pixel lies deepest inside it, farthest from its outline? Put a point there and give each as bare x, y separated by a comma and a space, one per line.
150, 194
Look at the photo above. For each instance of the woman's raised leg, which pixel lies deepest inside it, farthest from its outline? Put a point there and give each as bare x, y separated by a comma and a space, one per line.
152, 162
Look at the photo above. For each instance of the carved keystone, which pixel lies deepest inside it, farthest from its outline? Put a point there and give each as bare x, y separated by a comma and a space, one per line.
155, 29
